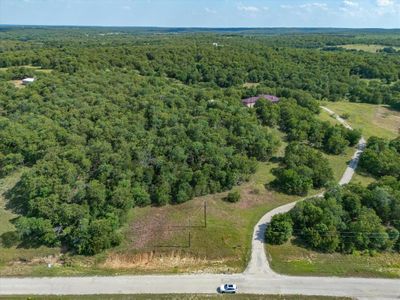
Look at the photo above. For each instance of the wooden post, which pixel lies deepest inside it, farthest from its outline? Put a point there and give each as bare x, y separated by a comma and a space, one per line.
205, 214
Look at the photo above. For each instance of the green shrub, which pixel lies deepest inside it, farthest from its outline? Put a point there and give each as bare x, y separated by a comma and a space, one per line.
279, 230
233, 197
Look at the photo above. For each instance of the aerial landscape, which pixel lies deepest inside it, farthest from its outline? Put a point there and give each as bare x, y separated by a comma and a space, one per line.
186, 149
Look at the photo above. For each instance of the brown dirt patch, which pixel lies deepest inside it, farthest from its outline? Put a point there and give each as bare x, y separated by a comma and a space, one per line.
388, 119
158, 261
18, 84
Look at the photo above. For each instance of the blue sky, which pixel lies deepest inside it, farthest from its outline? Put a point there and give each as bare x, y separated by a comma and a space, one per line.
204, 13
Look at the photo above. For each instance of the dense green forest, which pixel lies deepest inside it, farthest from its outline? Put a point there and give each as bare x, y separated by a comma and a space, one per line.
352, 217
117, 119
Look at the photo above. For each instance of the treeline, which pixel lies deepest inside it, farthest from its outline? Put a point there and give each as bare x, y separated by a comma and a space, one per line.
381, 157
352, 217
356, 76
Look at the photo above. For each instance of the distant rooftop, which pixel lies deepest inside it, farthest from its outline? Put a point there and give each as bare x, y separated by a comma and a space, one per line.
253, 100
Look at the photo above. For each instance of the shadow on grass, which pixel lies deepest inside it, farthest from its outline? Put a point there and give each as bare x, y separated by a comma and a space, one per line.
15, 198
9, 239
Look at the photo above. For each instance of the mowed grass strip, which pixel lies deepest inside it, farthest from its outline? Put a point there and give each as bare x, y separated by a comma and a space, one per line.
174, 297
294, 260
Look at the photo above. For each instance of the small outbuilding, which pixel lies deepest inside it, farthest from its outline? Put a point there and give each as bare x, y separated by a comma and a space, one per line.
28, 80
249, 102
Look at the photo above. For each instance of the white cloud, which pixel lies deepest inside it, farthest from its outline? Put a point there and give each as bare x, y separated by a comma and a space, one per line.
384, 2
126, 7
350, 3
319, 5
265, 8
250, 9
210, 11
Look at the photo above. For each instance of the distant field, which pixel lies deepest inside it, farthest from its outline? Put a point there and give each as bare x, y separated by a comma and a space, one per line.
35, 68
365, 47
294, 260
378, 120
174, 297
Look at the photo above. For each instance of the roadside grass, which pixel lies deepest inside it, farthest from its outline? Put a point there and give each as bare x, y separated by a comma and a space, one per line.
363, 179
373, 48
372, 119
294, 260
174, 297
339, 162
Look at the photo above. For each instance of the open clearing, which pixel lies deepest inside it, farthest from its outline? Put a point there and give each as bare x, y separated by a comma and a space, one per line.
372, 119
294, 260
364, 47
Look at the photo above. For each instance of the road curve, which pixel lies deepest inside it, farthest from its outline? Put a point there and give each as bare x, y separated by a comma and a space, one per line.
258, 263
258, 278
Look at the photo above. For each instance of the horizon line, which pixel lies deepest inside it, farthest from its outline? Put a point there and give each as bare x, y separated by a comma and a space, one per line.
202, 27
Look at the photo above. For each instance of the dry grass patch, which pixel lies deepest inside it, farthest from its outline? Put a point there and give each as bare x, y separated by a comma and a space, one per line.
18, 84
174, 261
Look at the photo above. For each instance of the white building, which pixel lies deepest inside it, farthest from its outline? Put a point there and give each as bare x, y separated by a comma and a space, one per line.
28, 80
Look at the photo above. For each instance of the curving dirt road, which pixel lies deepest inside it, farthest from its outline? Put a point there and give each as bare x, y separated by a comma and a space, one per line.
258, 277
258, 262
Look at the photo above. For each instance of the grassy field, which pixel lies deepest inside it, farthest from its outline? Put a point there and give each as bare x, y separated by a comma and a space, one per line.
294, 260
372, 119
173, 297
378, 120
365, 47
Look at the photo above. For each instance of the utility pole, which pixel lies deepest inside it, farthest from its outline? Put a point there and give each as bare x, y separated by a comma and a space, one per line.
189, 239
205, 214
